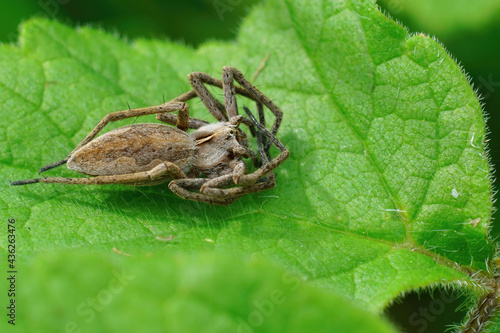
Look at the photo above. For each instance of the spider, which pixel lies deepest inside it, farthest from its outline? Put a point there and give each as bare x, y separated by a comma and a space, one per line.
205, 165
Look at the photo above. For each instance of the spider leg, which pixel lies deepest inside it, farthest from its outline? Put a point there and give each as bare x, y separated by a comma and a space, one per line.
229, 75
231, 103
157, 175
240, 119
216, 108
230, 109
214, 188
240, 169
248, 153
229, 94
131, 113
172, 118
262, 139
207, 79
197, 80
267, 165
184, 189
245, 151
253, 93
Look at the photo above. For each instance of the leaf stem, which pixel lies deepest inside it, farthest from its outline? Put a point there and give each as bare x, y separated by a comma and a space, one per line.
485, 309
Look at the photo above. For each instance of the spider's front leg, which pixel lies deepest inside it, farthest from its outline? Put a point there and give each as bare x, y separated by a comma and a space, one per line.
221, 112
230, 109
197, 81
230, 74
267, 165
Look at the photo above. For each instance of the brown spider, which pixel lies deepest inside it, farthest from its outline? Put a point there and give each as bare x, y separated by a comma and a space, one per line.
150, 154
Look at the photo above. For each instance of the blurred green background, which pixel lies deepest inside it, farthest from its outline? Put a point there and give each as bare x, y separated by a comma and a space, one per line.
470, 30
188, 21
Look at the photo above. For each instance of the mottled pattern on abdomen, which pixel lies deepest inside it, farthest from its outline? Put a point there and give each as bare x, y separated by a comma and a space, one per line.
134, 148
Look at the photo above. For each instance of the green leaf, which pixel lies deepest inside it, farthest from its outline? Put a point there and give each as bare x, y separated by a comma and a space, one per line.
387, 187
461, 15
180, 293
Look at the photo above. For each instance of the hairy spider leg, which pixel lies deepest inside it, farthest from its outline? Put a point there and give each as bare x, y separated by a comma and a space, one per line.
161, 173
246, 89
255, 95
197, 80
262, 140
195, 123
171, 118
269, 166
184, 188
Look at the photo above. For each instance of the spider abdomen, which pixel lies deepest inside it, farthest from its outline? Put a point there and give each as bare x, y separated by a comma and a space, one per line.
134, 148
